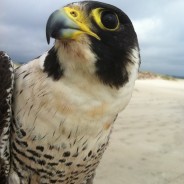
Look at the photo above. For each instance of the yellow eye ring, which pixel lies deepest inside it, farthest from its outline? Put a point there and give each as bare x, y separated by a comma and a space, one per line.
97, 15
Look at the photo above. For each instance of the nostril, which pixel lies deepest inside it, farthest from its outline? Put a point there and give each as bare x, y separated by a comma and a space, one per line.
74, 14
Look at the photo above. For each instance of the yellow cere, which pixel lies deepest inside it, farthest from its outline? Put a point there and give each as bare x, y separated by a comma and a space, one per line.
79, 18
96, 14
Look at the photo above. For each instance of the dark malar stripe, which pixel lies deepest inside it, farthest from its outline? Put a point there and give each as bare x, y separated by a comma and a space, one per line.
111, 66
52, 66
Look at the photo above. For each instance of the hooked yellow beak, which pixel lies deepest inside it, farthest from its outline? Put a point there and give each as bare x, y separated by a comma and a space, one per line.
67, 23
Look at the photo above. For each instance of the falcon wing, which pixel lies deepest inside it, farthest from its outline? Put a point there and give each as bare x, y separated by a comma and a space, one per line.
6, 89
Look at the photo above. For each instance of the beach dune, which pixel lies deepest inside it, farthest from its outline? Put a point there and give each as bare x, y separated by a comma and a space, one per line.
147, 143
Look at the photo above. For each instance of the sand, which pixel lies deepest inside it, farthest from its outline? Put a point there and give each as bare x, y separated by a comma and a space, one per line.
147, 143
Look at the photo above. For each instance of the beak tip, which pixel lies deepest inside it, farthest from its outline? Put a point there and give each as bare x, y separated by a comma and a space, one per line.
50, 26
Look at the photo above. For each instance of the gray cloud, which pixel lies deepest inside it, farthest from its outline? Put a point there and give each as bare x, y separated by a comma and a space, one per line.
161, 38
158, 23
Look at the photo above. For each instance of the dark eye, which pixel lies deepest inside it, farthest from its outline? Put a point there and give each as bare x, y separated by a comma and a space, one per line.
109, 19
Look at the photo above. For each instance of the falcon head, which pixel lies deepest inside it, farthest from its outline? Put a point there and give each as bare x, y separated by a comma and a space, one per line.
94, 39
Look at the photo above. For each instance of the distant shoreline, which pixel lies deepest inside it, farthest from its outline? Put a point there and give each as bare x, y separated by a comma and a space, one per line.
151, 75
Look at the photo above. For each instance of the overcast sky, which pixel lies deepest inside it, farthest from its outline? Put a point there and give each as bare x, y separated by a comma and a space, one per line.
158, 23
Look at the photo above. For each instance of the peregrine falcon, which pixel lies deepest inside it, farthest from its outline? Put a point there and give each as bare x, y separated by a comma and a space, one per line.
58, 110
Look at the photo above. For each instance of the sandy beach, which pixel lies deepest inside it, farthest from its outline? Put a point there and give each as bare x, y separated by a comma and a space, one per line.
147, 143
